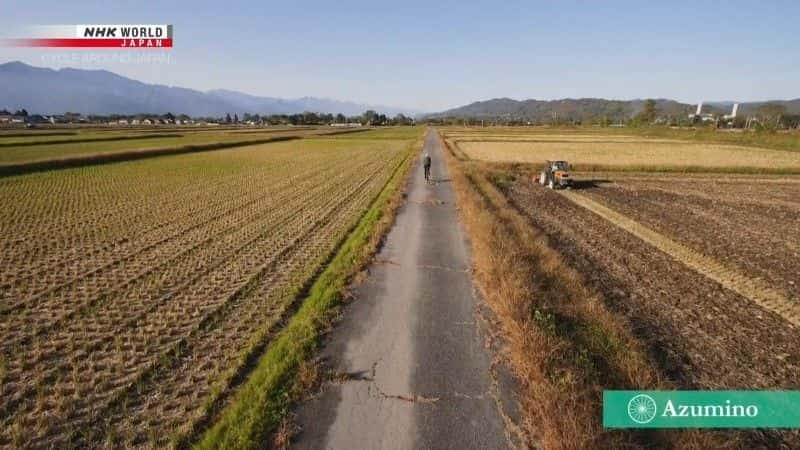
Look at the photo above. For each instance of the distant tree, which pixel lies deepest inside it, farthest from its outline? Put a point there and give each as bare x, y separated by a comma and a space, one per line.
310, 118
21, 112
4, 112
649, 112
169, 116
401, 119
235, 118
340, 118
228, 118
369, 117
791, 120
771, 114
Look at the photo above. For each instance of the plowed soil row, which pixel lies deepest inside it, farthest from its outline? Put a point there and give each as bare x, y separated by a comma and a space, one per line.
751, 288
703, 335
745, 224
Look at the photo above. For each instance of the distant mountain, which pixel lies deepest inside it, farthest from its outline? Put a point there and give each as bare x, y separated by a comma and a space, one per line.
48, 91
272, 105
590, 108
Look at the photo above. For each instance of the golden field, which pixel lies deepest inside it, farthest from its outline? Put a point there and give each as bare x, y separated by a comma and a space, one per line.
642, 154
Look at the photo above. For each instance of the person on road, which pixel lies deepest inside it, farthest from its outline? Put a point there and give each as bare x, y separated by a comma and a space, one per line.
426, 162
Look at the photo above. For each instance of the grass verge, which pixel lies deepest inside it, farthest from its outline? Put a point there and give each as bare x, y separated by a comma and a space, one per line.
564, 345
263, 400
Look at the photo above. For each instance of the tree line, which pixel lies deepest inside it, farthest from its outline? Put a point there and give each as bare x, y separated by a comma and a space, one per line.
18, 113
369, 117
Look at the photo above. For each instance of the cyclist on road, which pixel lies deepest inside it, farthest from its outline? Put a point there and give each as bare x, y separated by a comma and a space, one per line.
426, 161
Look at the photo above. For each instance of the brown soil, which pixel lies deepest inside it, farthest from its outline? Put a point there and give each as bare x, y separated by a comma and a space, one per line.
750, 226
709, 337
702, 335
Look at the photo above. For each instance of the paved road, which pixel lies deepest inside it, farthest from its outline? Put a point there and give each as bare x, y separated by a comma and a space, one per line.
415, 368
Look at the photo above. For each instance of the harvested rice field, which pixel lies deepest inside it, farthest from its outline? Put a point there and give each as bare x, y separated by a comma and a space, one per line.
133, 303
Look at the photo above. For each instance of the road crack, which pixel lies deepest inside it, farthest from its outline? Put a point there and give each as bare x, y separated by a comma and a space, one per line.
369, 376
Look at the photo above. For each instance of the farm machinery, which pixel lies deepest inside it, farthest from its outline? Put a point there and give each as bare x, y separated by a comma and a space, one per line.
555, 175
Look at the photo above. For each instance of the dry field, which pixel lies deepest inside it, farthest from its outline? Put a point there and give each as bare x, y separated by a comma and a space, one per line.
555, 137
708, 336
642, 154
702, 269
133, 295
747, 223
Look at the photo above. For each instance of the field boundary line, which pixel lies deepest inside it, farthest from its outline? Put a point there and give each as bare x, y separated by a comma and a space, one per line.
104, 158
89, 140
751, 288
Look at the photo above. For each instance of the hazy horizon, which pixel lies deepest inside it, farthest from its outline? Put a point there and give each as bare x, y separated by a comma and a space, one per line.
435, 57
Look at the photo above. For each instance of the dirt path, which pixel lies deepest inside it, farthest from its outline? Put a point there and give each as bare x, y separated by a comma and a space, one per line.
747, 287
413, 366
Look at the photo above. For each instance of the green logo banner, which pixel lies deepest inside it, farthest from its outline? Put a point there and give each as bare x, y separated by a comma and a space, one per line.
701, 409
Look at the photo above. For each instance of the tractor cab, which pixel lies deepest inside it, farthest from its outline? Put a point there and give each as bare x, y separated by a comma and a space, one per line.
555, 175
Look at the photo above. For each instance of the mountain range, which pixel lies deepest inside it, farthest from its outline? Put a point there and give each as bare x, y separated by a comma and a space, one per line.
592, 108
48, 91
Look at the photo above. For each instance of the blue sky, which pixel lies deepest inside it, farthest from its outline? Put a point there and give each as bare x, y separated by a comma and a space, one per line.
434, 56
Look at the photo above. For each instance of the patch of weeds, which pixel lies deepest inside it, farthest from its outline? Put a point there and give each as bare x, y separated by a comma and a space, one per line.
585, 362
545, 320
563, 379
600, 340
503, 180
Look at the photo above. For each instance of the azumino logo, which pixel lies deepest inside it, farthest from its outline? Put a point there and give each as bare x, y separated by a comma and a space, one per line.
701, 409
642, 409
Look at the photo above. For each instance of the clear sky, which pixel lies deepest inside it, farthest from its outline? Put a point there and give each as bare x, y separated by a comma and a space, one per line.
436, 55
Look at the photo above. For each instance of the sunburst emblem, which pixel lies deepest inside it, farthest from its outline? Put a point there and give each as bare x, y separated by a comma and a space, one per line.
642, 408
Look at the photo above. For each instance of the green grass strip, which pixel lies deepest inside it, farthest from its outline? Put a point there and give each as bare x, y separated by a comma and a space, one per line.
260, 404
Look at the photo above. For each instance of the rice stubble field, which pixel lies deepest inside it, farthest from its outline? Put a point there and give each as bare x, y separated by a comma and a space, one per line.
134, 294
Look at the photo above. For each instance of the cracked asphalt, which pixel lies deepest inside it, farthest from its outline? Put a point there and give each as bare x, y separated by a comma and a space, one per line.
415, 369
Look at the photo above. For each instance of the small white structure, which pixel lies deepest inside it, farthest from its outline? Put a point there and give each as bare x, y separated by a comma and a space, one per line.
732, 115
698, 115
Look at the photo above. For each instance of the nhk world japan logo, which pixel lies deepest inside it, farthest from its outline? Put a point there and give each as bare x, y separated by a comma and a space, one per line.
95, 36
701, 409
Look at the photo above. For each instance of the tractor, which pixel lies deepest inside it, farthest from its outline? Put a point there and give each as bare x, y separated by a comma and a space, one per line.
555, 175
